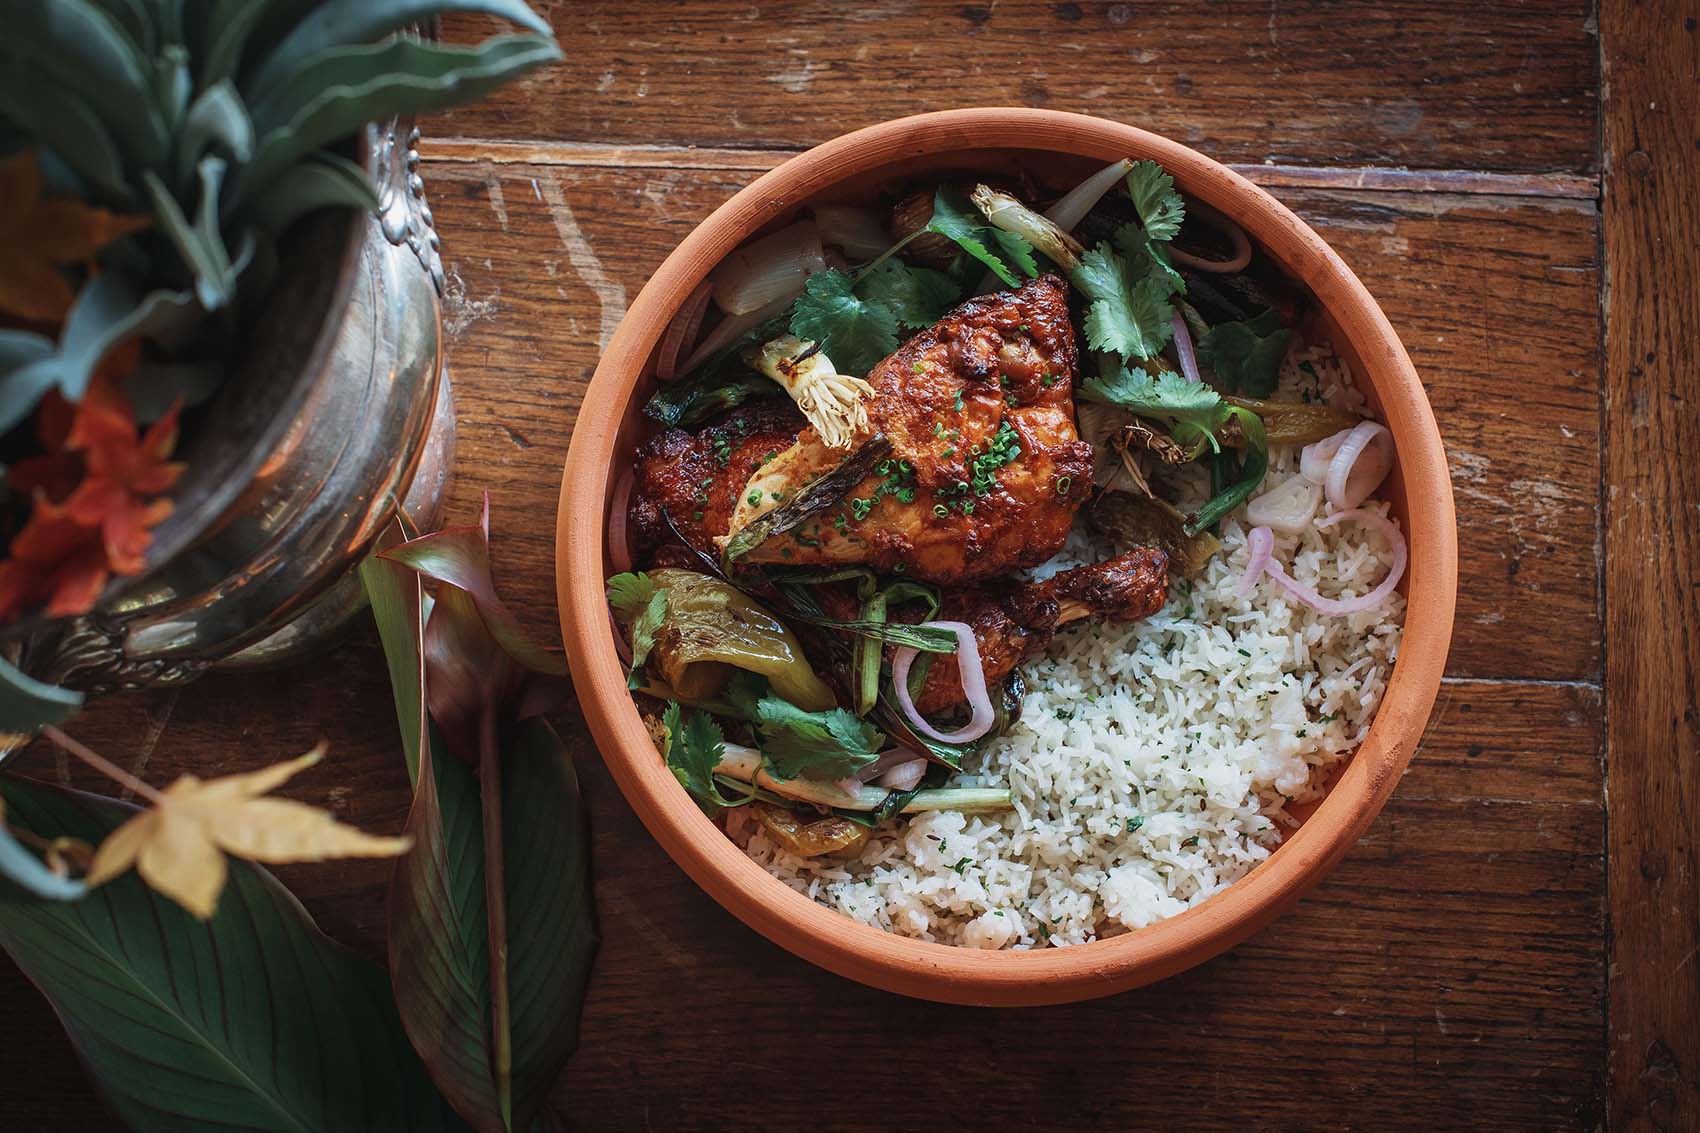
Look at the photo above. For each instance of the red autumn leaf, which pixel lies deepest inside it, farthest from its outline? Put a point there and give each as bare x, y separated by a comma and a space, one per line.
96, 496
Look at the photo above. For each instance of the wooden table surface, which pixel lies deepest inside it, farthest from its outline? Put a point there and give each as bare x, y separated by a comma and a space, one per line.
1517, 184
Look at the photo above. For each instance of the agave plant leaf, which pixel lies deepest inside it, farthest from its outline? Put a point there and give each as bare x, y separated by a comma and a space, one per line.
27, 705
494, 1059
201, 244
154, 387
30, 873
342, 22
107, 311
22, 384
323, 180
216, 116
134, 18
86, 53
225, 30
337, 111
66, 125
252, 1019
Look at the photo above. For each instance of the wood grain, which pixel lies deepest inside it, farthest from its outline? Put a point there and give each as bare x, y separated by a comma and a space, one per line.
1459, 85
1452, 973
1652, 212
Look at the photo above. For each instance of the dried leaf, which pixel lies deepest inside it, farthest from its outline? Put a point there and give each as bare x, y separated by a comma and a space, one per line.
38, 236
178, 846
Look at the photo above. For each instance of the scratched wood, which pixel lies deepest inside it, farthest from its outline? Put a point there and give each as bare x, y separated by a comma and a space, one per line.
1456, 84
1452, 973
1652, 211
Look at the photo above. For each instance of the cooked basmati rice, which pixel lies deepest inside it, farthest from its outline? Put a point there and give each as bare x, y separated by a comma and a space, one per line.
1153, 763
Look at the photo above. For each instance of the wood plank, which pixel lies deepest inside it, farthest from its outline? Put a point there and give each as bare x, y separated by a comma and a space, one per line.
1457, 950
1652, 212
1269, 175
1456, 85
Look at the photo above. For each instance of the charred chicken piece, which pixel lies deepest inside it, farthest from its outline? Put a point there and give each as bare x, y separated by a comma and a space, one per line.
986, 468
694, 481
1014, 622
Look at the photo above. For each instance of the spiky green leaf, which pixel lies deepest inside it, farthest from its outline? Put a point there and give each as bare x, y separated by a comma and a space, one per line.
342, 22
64, 125
323, 180
338, 111
216, 117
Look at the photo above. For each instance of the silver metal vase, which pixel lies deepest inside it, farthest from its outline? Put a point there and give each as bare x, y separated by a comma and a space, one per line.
338, 412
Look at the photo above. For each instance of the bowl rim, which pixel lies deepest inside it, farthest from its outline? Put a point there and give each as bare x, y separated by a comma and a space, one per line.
944, 972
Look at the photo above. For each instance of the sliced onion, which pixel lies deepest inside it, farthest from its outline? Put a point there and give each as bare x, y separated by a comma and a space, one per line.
682, 331
1288, 506
1242, 246
619, 543
728, 330
1183, 347
1315, 458
857, 231
1260, 542
1068, 212
1338, 606
763, 270
905, 776
973, 687
891, 757
1358, 467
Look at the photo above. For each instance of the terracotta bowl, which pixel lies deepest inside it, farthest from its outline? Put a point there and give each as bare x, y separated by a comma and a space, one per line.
1059, 149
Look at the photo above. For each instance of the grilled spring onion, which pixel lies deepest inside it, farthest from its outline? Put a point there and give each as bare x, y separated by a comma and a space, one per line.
744, 764
820, 494
1295, 422
681, 404
834, 403
873, 629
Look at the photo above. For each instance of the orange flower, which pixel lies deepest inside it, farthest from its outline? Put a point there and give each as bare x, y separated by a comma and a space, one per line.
96, 498
38, 235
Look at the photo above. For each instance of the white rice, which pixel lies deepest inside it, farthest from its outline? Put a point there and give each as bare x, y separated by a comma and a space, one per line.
1152, 763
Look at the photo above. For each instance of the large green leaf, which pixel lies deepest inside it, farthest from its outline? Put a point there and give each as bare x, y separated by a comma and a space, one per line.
397, 600
336, 112
250, 1020
201, 242
439, 912
343, 22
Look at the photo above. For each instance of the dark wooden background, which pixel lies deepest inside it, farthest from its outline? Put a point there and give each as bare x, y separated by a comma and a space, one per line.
1517, 184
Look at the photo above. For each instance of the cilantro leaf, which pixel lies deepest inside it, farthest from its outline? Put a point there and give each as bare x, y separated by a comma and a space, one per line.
818, 745
1145, 256
642, 605
918, 297
1130, 312
957, 220
695, 747
1193, 411
1247, 355
855, 333
1017, 248
1154, 198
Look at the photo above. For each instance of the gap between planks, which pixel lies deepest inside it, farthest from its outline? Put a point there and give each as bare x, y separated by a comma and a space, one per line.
1566, 186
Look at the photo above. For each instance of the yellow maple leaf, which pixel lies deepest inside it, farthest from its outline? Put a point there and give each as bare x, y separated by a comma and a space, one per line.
178, 846
38, 236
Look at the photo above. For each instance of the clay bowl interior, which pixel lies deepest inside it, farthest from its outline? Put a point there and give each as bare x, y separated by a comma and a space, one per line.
1057, 150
